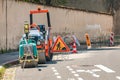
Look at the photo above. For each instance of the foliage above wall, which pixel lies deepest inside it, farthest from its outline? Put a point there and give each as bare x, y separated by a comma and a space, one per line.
100, 6
47, 2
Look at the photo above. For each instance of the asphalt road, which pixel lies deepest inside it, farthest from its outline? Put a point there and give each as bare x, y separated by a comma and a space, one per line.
8, 57
86, 65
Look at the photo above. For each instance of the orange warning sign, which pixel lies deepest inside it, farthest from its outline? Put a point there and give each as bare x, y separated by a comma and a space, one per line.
60, 46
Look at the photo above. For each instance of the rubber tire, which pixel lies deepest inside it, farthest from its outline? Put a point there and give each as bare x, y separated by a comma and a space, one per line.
42, 59
49, 58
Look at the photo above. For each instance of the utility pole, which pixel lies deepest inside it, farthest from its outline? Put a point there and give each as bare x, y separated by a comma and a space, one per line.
6, 26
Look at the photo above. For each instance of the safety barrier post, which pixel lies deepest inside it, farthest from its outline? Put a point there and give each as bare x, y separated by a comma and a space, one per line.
111, 39
88, 42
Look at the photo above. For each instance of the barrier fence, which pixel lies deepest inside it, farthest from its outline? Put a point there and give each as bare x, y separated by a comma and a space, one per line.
97, 42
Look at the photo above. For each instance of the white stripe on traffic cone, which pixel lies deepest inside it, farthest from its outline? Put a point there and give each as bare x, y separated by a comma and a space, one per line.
74, 48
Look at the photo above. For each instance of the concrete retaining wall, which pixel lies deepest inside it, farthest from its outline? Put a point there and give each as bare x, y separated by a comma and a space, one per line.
62, 20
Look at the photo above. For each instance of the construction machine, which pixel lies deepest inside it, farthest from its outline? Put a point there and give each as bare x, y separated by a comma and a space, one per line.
35, 45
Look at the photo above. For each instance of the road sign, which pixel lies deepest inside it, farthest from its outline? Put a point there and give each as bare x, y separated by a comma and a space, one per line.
60, 46
26, 28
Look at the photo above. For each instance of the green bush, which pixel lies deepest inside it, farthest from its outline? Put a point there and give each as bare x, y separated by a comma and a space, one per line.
2, 71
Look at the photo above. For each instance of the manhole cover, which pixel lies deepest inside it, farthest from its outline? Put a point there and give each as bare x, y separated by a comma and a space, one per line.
76, 66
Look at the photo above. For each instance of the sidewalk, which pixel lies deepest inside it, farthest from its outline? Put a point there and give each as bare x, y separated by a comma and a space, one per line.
8, 57
107, 48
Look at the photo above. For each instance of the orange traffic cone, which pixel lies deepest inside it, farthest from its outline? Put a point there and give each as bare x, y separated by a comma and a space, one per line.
74, 48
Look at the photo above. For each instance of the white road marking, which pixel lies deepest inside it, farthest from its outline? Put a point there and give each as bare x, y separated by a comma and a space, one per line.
88, 71
56, 73
53, 67
80, 70
91, 72
58, 77
55, 70
71, 79
80, 78
73, 72
70, 69
105, 68
67, 66
76, 75
118, 77
95, 75
95, 70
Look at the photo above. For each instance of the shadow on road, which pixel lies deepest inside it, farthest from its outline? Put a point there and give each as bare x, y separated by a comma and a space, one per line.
51, 62
41, 66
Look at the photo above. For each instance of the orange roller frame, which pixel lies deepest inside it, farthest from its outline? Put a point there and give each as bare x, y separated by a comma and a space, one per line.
38, 11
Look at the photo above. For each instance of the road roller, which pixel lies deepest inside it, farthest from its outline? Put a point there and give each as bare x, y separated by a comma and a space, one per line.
35, 45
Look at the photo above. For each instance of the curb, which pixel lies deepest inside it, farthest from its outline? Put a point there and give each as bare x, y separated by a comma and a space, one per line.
106, 48
12, 62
